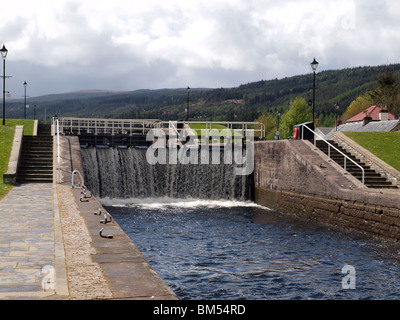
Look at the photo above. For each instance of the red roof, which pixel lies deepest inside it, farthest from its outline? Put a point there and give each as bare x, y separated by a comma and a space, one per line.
373, 112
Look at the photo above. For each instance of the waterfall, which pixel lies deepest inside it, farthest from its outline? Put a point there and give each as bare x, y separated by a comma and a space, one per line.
118, 173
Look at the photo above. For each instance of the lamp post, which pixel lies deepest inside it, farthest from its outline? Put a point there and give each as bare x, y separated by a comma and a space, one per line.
4, 52
314, 66
25, 85
187, 110
277, 134
336, 109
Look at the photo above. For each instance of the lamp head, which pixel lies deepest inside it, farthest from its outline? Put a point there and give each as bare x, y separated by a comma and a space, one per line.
4, 52
314, 65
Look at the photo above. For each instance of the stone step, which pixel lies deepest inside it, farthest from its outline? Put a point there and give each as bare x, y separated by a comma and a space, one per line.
379, 186
36, 160
33, 149
34, 176
34, 170
372, 179
32, 157
37, 165
37, 152
35, 180
38, 139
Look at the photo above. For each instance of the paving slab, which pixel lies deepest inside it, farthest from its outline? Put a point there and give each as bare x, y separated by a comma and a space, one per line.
27, 244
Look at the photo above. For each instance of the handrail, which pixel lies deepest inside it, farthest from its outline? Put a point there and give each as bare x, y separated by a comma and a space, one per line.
82, 186
131, 126
329, 151
96, 125
229, 125
56, 124
171, 124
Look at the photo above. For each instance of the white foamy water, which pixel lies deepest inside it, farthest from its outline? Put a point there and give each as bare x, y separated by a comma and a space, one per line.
167, 203
125, 173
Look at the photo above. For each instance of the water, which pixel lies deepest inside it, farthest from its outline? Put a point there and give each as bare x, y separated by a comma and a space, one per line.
230, 249
237, 250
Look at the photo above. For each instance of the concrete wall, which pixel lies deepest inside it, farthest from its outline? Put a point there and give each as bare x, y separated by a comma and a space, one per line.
290, 176
10, 177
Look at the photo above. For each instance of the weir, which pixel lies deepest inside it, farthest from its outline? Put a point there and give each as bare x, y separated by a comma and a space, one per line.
123, 173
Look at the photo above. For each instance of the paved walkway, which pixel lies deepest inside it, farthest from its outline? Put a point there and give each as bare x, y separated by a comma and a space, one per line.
46, 232
38, 220
32, 264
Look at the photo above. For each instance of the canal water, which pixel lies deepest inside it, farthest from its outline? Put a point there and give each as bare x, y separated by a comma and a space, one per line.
238, 250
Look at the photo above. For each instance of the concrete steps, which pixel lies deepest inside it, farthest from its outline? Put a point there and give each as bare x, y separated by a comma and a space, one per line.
372, 179
36, 159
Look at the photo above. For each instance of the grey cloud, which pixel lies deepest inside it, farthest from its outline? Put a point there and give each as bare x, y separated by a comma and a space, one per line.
152, 50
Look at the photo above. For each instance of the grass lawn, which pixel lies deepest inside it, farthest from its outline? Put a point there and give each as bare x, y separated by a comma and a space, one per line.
385, 145
6, 141
199, 126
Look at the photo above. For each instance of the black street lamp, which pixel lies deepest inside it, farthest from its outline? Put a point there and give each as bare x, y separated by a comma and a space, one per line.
336, 109
4, 52
25, 85
187, 110
314, 66
277, 134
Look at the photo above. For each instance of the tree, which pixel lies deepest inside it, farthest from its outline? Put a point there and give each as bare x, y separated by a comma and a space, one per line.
270, 124
299, 112
357, 106
387, 93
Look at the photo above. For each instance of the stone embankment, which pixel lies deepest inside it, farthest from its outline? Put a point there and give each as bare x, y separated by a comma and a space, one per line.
99, 267
291, 176
51, 247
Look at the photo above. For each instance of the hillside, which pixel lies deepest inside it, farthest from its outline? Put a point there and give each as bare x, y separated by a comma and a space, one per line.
243, 103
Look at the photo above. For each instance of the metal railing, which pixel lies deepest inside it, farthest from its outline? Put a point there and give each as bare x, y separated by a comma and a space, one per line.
78, 126
73, 184
172, 126
96, 126
329, 152
257, 128
56, 128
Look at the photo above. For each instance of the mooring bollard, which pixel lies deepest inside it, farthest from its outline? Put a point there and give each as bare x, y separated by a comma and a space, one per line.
107, 236
105, 221
85, 195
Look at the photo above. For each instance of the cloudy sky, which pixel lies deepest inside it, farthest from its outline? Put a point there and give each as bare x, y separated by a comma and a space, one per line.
60, 46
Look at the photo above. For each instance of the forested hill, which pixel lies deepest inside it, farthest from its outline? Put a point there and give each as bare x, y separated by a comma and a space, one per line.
243, 103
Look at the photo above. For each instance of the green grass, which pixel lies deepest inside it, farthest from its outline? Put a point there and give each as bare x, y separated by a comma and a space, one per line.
200, 126
6, 141
28, 125
385, 145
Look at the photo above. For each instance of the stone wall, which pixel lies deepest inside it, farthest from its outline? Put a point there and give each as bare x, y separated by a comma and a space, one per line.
10, 177
290, 176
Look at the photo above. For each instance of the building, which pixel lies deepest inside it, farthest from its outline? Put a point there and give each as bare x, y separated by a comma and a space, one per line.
376, 113
373, 119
